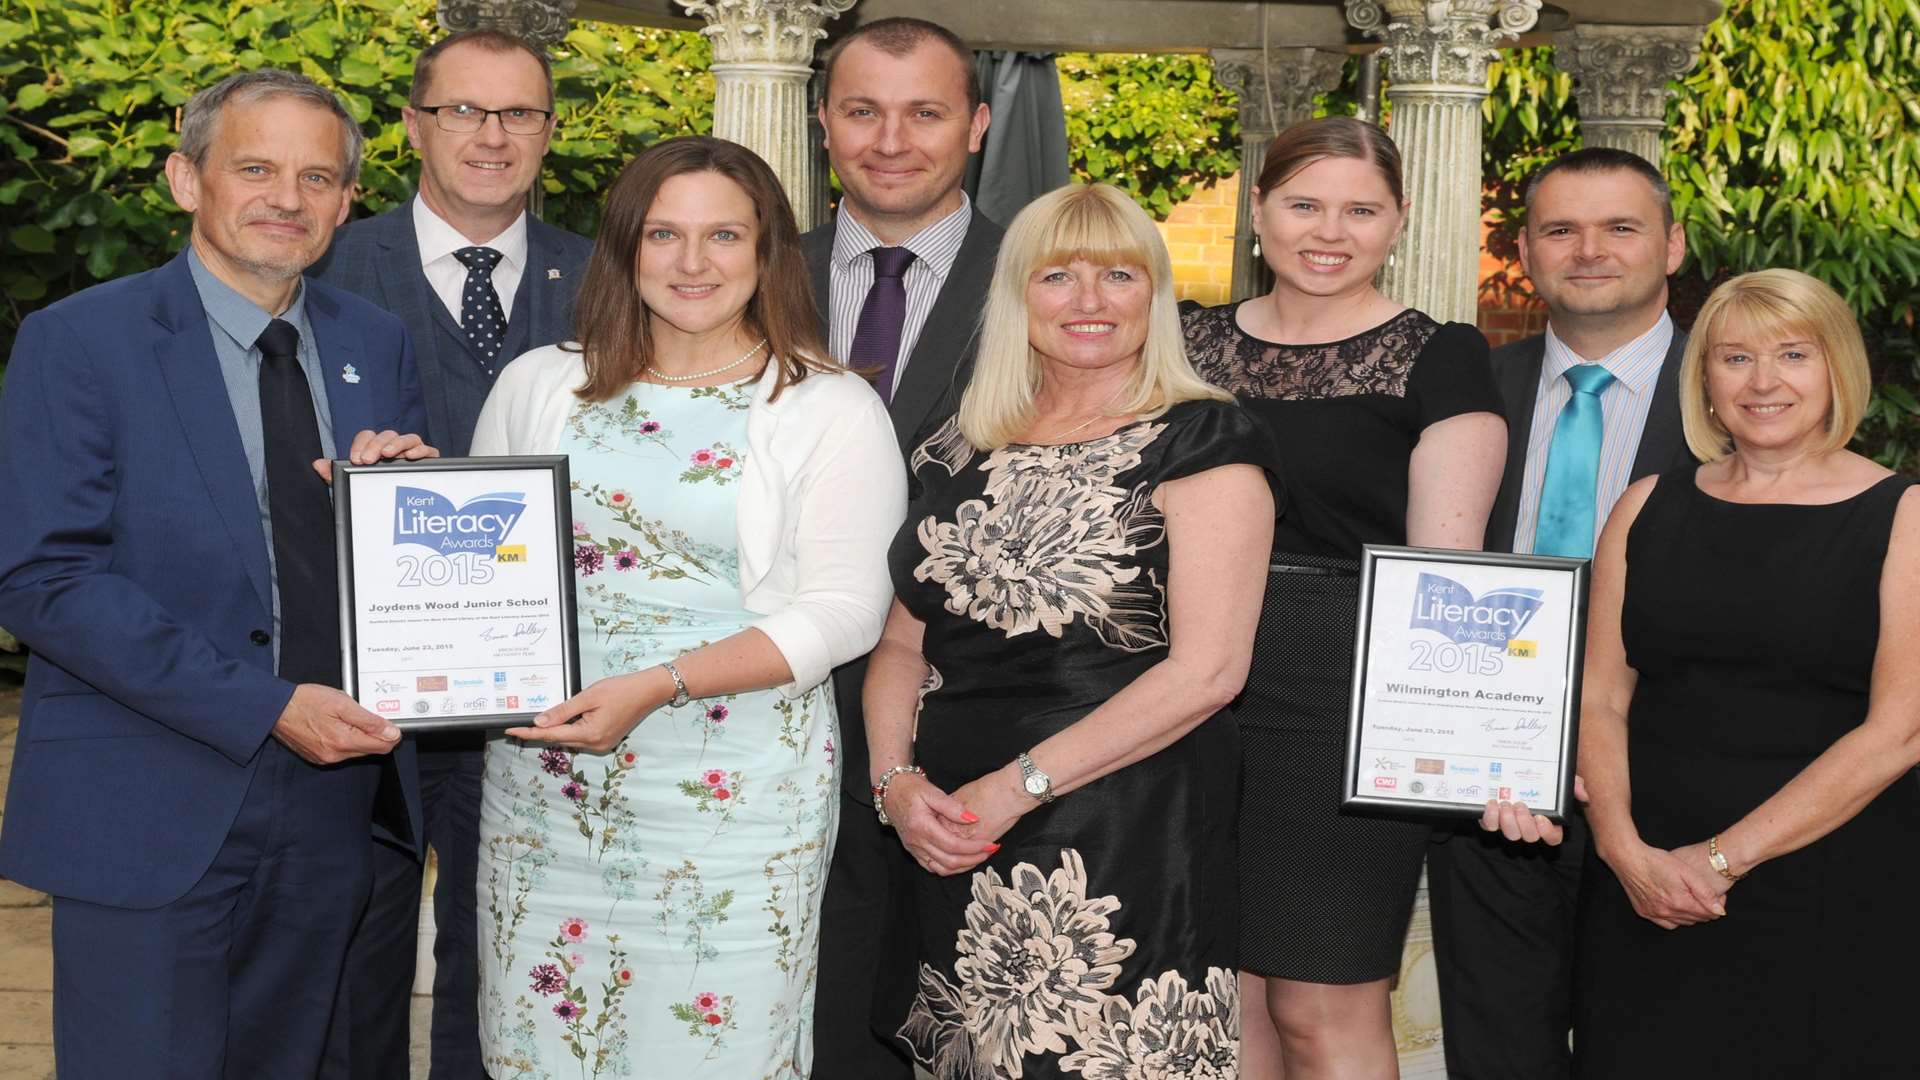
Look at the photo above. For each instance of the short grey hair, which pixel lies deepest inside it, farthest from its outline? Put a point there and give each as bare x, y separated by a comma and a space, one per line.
202, 113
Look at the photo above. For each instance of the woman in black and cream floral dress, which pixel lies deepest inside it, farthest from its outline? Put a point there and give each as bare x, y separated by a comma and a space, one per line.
1077, 588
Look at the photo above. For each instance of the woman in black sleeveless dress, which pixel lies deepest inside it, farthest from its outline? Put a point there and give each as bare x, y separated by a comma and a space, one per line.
1752, 707
1389, 429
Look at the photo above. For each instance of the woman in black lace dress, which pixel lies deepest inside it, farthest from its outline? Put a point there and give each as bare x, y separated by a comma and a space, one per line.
1389, 430
1078, 584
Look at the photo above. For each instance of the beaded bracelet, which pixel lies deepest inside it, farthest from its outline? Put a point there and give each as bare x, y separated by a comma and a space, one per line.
880, 789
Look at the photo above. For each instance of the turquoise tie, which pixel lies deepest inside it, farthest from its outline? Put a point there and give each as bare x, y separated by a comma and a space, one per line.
1573, 468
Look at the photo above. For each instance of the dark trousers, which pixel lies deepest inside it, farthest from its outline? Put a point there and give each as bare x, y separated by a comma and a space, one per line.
237, 978
1503, 937
370, 1037
867, 951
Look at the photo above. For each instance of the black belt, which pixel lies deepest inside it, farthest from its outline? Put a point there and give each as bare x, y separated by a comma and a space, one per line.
1315, 571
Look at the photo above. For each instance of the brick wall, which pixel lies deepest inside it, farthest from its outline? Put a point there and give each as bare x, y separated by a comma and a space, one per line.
1199, 238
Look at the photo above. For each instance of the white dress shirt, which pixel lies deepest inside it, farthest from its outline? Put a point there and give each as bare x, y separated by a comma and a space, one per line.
448, 275
935, 248
1623, 416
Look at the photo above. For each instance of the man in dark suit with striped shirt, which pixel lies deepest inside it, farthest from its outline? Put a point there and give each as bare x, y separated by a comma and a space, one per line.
900, 274
477, 280
1599, 242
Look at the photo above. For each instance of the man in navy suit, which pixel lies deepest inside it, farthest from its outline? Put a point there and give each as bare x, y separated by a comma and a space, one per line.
900, 275
190, 784
477, 281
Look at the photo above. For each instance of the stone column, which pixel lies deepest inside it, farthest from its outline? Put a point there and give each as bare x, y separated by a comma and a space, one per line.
1620, 80
762, 63
542, 22
1437, 53
1276, 88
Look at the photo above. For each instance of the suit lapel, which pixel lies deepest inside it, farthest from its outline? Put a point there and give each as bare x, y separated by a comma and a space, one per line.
339, 345
1519, 384
191, 370
936, 369
408, 296
1663, 444
539, 306
818, 246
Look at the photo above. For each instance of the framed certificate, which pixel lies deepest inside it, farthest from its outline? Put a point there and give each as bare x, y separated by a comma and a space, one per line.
456, 589
1466, 682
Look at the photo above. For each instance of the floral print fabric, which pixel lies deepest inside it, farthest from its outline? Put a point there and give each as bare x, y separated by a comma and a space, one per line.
1099, 941
653, 911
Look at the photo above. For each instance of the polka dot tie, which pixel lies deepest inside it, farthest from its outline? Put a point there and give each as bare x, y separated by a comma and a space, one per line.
481, 315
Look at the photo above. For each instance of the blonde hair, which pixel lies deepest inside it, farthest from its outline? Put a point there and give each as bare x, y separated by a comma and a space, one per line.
1098, 223
1776, 304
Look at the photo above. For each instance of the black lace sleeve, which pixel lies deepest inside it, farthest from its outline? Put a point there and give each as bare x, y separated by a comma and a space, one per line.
1453, 375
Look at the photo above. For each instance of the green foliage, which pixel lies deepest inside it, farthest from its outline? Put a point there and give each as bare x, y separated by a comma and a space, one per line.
1795, 141
1155, 126
91, 88
1529, 119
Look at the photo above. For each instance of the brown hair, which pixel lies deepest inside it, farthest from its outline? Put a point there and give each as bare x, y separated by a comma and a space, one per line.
1603, 159
899, 36
493, 41
611, 321
1331, 137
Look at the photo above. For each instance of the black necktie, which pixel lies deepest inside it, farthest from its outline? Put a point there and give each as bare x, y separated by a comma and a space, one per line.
883, 317
302, 514
481, 315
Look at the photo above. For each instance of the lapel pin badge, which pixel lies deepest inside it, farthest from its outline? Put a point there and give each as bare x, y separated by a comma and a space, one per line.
348, 375
553, 273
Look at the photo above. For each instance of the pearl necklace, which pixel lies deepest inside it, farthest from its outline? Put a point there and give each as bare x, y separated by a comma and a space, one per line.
744, 357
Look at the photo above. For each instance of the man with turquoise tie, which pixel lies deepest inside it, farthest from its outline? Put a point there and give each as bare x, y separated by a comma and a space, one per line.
1592, 405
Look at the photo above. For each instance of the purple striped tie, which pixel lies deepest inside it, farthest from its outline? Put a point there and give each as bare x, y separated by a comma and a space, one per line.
876, 337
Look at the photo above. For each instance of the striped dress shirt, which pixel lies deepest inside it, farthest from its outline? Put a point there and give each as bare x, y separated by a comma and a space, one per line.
1623, 414
934, 247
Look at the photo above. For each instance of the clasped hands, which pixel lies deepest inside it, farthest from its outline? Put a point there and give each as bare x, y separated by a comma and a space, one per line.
1670, 889
952, 834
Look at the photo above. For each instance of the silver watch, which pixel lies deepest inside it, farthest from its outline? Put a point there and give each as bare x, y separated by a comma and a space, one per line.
679, 685
1037, 784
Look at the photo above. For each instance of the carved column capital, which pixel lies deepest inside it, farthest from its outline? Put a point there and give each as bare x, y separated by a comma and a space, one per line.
1620, 79
542, 22
1446, 42
765, 31
1276, 86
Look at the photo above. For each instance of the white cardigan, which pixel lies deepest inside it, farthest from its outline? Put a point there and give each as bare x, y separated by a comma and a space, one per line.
822, 492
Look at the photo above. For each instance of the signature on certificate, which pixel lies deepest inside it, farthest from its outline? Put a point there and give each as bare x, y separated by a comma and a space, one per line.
1527, 728
527, 632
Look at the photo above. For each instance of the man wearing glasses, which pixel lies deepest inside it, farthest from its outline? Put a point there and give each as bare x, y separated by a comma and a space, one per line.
477, 281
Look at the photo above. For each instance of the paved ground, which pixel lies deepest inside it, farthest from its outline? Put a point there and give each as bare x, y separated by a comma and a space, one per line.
26, 956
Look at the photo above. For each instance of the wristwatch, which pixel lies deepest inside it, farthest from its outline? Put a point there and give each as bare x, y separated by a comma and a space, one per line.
1037, 784
679, 685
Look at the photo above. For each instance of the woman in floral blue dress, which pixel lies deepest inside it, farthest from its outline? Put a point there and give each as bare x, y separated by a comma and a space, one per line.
653, 850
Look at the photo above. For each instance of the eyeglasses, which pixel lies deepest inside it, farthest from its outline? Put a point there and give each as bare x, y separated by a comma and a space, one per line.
464, 119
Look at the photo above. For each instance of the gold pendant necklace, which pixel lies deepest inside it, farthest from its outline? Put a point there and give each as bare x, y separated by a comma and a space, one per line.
1101, 413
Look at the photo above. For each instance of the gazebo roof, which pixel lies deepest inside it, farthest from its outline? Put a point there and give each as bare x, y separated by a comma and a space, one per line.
1159, 25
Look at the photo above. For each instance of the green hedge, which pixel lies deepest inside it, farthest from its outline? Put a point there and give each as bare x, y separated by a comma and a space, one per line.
91, 89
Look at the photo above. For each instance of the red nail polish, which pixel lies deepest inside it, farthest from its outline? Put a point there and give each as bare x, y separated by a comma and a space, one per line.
991, 848
970, 817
